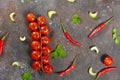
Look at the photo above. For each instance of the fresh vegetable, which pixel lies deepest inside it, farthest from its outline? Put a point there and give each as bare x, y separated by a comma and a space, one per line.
94, 48
30, 17
45, 59
33, 26
76, 19
70, 68
58, 52
44, 29
16, 63
71, 1
103, 71
22, 38
67, 35
35, 55
37, 65
35, 35
48, 69
41, 20
46, 50
26, 75
2, 42
99, 27
35, 45
115, 35
114, 32
45, 40
51, 13
93, 14
108, 60
90, 70
117, 40
11, 15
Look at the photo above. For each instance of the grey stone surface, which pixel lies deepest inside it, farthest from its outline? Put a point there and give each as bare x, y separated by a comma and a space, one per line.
15, 50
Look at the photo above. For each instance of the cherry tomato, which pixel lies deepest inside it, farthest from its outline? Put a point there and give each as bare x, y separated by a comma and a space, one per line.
31, 17
37, 65
35, 45
35, 55
48, 69
107, 60
45, 40
41, 20
45, 59
35, 35
44, 29
46, 50
33, 26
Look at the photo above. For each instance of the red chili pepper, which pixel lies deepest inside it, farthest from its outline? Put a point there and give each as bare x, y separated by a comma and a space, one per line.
99, 27
2, 42
101, 72
68, 35
71, 67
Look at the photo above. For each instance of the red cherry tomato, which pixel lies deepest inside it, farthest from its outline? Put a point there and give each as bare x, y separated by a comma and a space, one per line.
35, 45
37, 65
33, 26
35, 55
46, 50
31, 17
45, 59
45, 40
44, 29
35, 35
108, 60
48, 69
41, 20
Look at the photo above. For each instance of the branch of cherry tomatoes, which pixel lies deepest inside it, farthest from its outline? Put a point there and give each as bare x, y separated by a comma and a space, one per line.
40, 43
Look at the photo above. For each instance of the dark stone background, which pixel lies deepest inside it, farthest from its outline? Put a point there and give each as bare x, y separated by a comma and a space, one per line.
15, 50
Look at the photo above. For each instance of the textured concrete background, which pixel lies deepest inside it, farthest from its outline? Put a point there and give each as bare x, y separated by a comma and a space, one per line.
15, 50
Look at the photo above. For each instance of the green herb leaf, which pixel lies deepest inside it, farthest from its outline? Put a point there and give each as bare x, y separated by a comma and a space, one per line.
54, 55
26, 76
114, 35
59, 46
58, 52
76, 19
115, 30
62, 53
117, 40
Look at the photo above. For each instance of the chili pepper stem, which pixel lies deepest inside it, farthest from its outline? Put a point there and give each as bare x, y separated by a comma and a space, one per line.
75, 59
4, 37
107, 21
96, 77
63, 27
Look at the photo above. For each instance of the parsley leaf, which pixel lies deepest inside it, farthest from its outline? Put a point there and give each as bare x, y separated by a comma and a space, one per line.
114, 32
76, 19
115, 36
26, 76
117, 40
54, 54
62, 53
58, 52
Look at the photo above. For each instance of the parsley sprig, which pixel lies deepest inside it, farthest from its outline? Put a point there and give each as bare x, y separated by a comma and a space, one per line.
26, 75
115, 35
58, 52
76, 19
